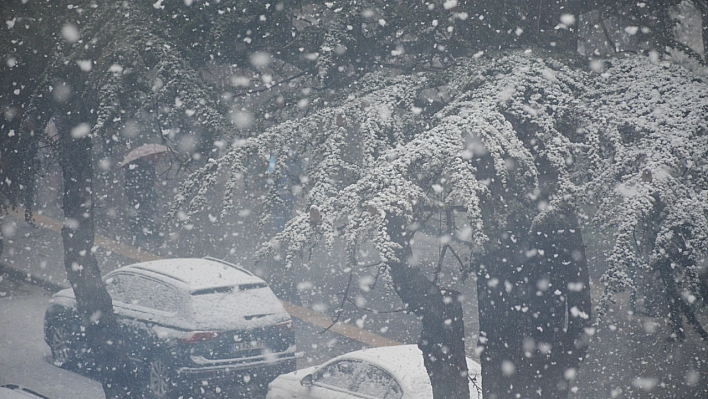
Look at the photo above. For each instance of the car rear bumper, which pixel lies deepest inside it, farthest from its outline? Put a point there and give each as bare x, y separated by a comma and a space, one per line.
261, 368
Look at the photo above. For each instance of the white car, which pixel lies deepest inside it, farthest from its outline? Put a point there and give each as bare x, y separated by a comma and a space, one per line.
392, 372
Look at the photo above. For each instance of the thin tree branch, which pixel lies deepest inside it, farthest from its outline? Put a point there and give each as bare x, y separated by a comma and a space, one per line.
692, 319
340, 310
462, 264
370, 265
249, 92
607, 34
376, 279
438, 269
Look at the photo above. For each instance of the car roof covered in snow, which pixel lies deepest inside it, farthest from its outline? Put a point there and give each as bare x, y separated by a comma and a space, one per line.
194, 273
406, 363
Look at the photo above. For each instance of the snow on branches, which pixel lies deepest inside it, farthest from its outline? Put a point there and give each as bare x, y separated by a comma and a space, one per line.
130, 70
648, 178
377, 151
508, 132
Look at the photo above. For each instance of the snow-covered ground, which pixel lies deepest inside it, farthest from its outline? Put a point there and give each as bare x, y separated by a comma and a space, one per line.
24, 357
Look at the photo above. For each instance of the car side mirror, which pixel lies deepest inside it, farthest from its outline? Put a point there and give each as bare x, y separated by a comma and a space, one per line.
306, 381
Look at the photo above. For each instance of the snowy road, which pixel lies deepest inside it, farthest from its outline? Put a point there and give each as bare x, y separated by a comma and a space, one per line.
24, 357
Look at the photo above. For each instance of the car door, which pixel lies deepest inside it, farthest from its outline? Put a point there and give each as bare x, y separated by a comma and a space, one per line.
139, 303
333, 381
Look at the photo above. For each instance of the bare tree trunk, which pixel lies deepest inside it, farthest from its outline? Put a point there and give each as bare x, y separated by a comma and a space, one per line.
442, 336
92, 300
534, 304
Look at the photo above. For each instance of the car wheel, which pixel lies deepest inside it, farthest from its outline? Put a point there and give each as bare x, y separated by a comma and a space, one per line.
60, 343
160, 383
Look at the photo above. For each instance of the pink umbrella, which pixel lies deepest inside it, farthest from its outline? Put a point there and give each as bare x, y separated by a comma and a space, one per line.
148, 152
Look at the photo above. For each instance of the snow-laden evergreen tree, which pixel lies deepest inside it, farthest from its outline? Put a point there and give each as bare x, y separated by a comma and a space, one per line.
649, 183
520, 147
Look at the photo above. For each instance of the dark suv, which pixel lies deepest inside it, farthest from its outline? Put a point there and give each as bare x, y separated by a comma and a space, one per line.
188, 323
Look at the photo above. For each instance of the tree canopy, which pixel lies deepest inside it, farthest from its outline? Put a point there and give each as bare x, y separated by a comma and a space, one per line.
502, 141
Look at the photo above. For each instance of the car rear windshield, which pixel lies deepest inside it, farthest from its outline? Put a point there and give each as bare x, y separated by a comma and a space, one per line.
235, 309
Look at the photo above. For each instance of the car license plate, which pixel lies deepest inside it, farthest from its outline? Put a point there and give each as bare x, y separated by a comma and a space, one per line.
248, 345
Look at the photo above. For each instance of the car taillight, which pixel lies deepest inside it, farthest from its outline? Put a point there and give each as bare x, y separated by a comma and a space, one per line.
200, 336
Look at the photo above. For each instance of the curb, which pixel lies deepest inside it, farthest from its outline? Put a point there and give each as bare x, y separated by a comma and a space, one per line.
18, 275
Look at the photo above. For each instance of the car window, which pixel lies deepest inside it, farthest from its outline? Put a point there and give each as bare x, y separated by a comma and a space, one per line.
340, 374
144, 292
161, 296
375, 382
115, 286
394, 391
